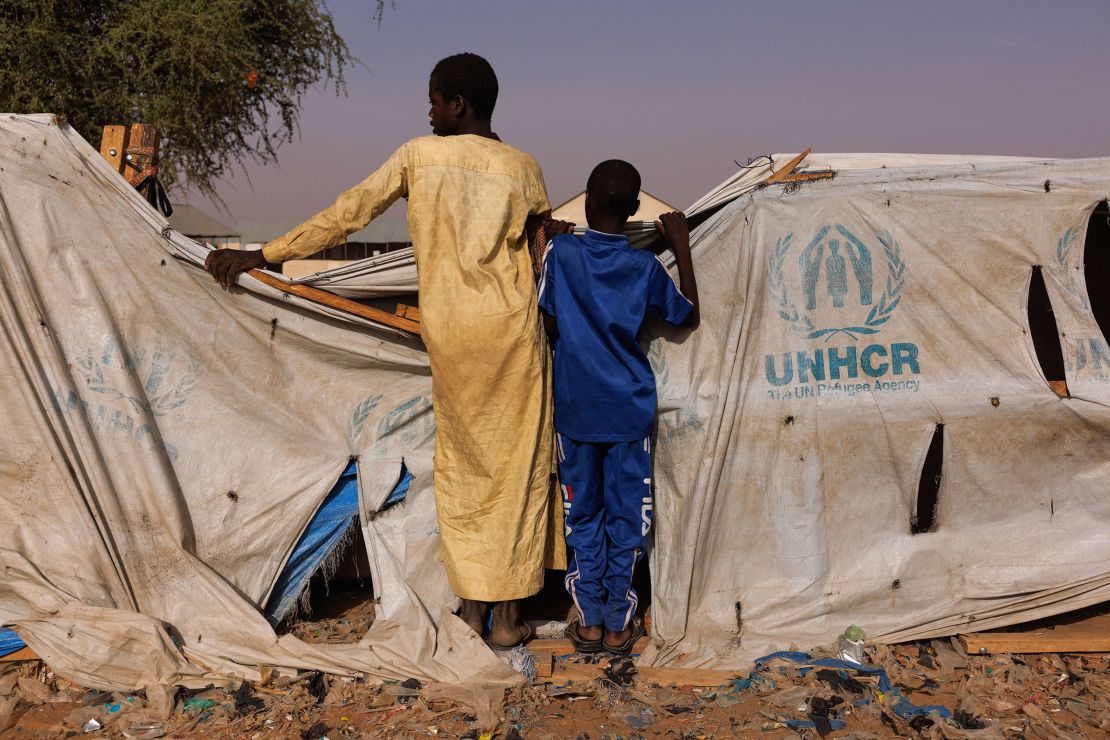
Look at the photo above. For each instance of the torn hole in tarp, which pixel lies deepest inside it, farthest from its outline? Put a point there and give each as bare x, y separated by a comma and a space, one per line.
400, 490
1096, 267
1045, 335
928, 486
326, 545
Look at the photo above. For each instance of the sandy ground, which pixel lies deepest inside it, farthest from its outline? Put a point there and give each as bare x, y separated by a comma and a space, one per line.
1030, 696
1048, 696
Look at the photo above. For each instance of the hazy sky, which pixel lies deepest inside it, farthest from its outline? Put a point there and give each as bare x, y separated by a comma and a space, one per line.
683, 88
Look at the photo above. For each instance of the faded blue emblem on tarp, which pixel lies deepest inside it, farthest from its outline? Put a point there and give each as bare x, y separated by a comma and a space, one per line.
357, 422
824, 276
160, 378
1065, 248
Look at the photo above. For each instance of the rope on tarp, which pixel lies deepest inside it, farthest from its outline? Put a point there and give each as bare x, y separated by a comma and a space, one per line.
145, 179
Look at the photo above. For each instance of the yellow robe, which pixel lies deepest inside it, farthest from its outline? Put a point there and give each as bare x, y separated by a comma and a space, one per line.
468, 199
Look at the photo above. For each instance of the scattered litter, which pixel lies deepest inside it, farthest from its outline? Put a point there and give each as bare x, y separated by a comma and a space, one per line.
824, 715
404, 692
569, 690
840, 681
522, 660
640, 719
902, 690
850, 644
795, 696
246, 702
34, 691
621, 672
345, 628
948, 658
318, 686
888, 694
199, 703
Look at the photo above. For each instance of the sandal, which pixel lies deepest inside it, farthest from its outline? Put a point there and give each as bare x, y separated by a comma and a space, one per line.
625, 648
529, 633
581, 644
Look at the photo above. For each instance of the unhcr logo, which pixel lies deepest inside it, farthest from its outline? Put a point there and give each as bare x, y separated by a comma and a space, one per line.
826, 291
128, 388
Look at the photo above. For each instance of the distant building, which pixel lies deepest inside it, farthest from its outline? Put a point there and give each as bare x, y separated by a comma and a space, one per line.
377, 238
574, 210
196, 224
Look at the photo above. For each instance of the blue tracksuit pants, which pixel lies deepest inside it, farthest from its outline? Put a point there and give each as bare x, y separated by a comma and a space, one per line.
607, 499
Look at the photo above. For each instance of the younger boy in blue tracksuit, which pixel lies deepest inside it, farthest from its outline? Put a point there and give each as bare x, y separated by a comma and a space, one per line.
594, 292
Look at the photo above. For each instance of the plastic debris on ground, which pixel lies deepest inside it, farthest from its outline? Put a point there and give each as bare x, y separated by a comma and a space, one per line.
350, 616
928, 689
522, 660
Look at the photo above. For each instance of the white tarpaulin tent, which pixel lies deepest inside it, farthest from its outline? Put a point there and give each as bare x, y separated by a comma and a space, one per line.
166, 442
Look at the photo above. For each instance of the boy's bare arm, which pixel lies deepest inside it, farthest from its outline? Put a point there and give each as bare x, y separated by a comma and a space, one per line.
551, 229
676, 233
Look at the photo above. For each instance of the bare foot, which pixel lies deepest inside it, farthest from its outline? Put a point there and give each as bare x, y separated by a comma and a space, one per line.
615, 639
474, 614
508, 628
591, 632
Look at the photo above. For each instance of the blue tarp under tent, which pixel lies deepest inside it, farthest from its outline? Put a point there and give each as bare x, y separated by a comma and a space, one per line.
330, 532
10, 642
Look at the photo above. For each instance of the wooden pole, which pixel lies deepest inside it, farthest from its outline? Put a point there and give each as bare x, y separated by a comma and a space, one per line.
339, 302
113, 146
787, 169
786, 174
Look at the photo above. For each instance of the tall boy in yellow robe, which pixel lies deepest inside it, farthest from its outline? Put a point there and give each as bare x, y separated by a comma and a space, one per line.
469, 197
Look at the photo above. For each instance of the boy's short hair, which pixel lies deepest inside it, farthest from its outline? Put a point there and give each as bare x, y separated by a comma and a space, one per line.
469, 76
614, 187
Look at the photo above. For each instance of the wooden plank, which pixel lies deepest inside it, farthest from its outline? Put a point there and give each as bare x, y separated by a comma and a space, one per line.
577, 672
113, 145
807, 176
982, 643
1088, 635
587, 672
1059, 387
325, 298
24, 653
564, 647
786, 170
408, 312
545, 666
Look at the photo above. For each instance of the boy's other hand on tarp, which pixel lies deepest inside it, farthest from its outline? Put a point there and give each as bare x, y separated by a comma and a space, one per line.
227, 264
551, 228
674, 230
